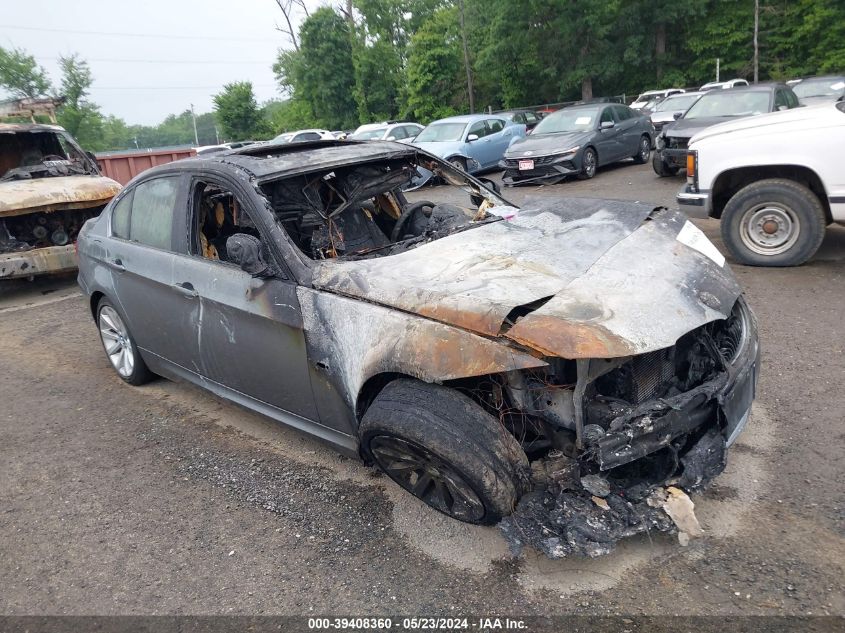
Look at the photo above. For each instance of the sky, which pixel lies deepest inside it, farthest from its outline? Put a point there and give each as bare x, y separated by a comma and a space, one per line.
151, 58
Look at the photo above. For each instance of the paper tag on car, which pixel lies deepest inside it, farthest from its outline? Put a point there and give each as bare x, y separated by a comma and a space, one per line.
583, 120
693, 237
839, 85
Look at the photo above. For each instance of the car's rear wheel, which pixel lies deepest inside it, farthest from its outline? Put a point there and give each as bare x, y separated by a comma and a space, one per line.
119, 345
444, 449
773, 222
644, 150
662, 168
589, 163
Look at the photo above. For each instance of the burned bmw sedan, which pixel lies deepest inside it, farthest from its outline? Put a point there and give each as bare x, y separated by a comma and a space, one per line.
544, 364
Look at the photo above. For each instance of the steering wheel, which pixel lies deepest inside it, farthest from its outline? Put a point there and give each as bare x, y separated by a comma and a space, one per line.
406, 215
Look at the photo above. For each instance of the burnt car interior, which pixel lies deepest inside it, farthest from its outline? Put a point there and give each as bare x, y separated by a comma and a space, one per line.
217, 216
41, 154
360, 210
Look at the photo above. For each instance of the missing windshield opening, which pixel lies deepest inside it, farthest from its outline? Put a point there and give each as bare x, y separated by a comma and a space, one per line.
361, 211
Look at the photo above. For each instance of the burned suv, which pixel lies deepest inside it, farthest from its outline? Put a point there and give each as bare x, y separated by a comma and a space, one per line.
473, 351
49, 187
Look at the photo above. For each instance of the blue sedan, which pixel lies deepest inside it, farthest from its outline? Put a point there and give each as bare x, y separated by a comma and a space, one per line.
473, 142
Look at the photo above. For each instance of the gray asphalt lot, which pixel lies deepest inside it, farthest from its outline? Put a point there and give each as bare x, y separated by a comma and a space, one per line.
163, 499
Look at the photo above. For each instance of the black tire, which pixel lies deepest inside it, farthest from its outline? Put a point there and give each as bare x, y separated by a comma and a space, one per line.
459, 163
793, 211
139, 372
589, 164
643, 150
444, 435
662, 168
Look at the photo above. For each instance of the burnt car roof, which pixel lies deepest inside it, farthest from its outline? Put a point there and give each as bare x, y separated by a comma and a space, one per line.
6, 128
272, 161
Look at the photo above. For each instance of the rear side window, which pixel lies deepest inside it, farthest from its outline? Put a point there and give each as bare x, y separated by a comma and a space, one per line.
495, 125
153, 205
120, 217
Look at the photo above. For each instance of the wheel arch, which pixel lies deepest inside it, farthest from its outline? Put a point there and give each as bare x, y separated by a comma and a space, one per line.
730, 181
94, 301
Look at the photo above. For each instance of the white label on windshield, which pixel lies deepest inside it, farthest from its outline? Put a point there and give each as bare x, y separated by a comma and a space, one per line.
693, 237
838, 86
583, 120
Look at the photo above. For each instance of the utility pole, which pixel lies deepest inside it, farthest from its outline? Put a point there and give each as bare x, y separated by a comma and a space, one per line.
470, 88
194, 119
756, 45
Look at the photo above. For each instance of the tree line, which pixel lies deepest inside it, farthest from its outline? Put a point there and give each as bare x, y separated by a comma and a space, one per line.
371, 60
425, 59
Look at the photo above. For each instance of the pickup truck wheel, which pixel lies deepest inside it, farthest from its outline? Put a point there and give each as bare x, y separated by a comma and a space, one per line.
641, 157
589, 162
119, 345
774, 222
444, 449
662, 168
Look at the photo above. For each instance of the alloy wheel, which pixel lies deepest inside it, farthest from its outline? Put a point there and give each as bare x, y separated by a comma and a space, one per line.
427, 477
645, 149
589, 163
116, 341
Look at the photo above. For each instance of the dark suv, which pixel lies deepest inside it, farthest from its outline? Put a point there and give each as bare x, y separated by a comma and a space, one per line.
716, 106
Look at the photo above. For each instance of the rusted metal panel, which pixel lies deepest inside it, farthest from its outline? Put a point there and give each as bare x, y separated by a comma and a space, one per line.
123, 167
19, 197
52, 259
616, 279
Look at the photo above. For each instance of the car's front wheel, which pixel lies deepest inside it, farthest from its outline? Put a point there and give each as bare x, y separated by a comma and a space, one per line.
458, 163
589, 163
446, 450
662, 168
119, 345
773, 222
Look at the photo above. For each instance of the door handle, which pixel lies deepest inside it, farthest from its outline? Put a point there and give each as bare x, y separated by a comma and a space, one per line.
186, 288
117, 265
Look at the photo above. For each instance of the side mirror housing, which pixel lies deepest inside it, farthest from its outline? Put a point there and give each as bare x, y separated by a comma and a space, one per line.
390, 138
677, 115
245, 251
606, 125
781, 108
472, 137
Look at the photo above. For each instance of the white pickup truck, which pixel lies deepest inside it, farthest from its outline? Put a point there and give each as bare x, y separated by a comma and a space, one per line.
775, 181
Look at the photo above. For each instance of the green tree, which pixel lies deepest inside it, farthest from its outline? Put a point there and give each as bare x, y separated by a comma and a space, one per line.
237, 111
21, 75
435, 79
79, 116
322, 72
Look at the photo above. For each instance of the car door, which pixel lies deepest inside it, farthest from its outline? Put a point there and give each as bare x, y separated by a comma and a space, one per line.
607, 139
629, 130
161, 315
479, 149
250, 329
501, 135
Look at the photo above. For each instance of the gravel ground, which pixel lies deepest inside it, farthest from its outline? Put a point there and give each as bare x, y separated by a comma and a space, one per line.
165, 500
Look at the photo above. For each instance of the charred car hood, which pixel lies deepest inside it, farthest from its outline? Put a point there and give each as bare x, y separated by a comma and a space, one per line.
579, 278
543, 144
686, 128
18, 197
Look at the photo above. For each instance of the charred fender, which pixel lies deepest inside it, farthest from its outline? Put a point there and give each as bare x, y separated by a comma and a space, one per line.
353, 341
